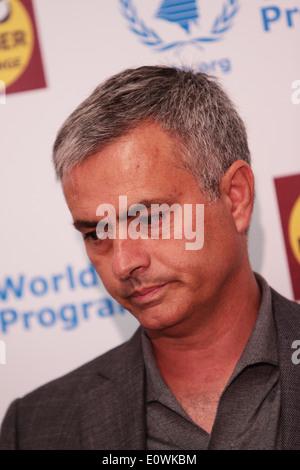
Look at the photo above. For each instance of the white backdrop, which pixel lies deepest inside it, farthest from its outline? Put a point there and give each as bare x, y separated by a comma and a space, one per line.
54, 314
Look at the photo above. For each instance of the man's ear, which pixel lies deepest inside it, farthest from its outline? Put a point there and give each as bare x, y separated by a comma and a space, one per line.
237, 192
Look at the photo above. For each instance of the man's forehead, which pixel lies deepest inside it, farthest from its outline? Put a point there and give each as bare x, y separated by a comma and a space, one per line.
142, 150
140, 165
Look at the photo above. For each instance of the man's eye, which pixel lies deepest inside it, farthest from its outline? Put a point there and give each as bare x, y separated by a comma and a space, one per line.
155, 219
151, 219
91, 236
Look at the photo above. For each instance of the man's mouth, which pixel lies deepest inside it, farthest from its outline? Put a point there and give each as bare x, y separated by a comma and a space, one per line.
147, 294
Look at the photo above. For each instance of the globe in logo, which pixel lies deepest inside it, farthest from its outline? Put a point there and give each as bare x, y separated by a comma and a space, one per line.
174, 24
294, 230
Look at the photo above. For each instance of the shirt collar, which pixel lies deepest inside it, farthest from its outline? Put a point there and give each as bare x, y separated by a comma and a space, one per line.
261, 347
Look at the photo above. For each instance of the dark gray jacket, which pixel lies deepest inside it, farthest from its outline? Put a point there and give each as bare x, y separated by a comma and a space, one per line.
101, 405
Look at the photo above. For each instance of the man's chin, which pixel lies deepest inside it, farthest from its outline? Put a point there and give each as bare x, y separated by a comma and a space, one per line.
155, 320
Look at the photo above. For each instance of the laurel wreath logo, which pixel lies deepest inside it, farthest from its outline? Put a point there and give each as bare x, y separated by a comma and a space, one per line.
222, 23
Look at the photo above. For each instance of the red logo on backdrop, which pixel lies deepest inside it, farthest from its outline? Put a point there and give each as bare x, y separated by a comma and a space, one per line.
21, 65
288, 195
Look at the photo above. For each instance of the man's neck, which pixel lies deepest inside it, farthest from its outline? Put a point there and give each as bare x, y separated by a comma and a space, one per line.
217, 344
198, 366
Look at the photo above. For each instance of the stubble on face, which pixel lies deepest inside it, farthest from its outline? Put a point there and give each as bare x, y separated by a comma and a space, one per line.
159, 281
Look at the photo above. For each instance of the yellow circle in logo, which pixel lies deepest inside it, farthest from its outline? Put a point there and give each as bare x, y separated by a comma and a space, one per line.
294, 229
16, 42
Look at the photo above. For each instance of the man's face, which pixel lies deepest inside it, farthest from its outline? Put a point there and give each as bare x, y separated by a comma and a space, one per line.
161, 283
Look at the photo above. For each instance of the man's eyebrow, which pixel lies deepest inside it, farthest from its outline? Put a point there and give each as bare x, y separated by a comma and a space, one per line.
80, 224
148, 202
84, 224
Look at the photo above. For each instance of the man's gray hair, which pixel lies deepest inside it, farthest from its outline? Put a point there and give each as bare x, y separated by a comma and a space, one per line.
208, 133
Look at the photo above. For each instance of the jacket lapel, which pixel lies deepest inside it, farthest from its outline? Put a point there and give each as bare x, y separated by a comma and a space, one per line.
112, 412
287, 317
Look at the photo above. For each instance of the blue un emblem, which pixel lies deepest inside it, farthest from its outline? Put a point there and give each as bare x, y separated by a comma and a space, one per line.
179, 12
174, 24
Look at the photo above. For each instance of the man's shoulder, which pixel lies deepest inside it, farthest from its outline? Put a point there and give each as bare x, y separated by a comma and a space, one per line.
284, 307
80, 379
287, 319
39, 418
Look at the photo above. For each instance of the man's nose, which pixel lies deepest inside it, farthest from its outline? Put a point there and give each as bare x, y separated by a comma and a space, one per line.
129, 256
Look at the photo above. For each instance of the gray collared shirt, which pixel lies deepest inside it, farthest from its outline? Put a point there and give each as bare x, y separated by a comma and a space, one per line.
248, 413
